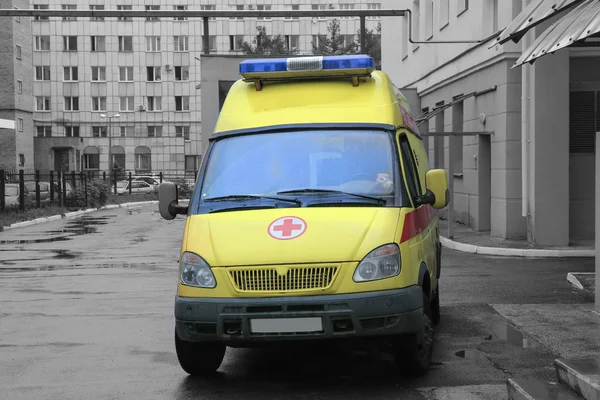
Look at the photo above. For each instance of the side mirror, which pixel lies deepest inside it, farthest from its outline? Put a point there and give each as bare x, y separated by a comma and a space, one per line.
437, 189
168, 201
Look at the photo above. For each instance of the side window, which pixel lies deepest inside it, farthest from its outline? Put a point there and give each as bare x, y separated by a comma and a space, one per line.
412, 177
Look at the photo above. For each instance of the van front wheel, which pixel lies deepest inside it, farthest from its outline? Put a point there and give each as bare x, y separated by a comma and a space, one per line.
199, 358
413, 353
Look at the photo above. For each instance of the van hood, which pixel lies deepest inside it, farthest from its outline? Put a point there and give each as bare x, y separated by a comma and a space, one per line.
290, 235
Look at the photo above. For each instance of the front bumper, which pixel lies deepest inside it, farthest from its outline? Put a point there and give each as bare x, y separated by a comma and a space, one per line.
389, 312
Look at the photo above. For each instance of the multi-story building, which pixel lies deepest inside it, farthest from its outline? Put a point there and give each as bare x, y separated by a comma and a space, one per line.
134, 82
16, 106
533, 177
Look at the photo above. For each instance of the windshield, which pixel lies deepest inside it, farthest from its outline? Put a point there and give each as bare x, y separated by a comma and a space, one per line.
351, 161
122, 184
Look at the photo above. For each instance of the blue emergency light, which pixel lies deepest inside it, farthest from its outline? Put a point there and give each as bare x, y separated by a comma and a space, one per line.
351, 65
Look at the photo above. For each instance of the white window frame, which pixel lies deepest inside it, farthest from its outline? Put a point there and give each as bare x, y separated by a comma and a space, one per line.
374, 6
153, 44
154, 103
154, 73
154, 131
263, 7
98, 44
294, 7
96, 7
72, 131
98, 103
102, 131
184, 107
181, 44
43, 69
69, 7
69, 77
123, 40
152, 8
180, 7
128, 101
46, 131
319, 7
124, 7
182, 69
183, 131
46, 103
125, 128
209, 7
100, 72
239, 7
41, 7
348, 7
67, 43
128, 74
39, 41
71, 103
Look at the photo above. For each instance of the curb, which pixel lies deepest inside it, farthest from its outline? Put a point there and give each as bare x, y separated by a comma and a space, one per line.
511, 252
76, 213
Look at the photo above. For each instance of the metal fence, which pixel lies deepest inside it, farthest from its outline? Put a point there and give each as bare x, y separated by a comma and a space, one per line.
21, 190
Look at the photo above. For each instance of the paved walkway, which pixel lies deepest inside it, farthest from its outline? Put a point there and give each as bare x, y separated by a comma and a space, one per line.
467, 240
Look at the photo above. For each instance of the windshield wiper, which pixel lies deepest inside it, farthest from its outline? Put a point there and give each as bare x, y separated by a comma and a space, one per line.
380, 200
242, 197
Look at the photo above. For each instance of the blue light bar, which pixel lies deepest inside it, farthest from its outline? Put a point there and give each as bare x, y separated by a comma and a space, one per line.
307, 66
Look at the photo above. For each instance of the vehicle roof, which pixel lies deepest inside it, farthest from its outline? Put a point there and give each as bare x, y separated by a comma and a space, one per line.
321, 101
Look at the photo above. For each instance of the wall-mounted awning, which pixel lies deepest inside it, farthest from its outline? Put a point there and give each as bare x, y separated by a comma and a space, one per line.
534, 14
580, 27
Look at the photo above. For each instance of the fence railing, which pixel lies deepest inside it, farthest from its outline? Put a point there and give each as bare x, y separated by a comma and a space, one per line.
21, 190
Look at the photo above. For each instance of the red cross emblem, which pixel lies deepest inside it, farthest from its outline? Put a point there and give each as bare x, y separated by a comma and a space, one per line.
286, 228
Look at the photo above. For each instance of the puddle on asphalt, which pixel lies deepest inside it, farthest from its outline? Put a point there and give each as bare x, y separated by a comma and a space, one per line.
505, 331
83, 225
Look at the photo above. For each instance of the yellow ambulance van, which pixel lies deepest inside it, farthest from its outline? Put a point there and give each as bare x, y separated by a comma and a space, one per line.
314, 217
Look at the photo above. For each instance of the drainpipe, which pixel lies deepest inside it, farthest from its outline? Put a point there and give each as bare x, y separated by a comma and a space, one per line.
525, 111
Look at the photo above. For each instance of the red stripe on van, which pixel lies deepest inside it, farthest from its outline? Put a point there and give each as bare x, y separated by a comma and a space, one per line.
416, 222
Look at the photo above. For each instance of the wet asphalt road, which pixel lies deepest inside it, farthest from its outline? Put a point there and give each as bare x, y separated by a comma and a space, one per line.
86, 311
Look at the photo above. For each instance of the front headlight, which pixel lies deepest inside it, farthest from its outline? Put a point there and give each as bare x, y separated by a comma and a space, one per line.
196, 272
383, 262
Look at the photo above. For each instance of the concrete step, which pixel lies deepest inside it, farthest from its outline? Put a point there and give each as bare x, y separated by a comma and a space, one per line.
524, 389
581, 376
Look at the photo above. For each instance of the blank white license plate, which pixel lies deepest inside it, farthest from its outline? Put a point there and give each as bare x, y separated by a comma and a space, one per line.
286, 325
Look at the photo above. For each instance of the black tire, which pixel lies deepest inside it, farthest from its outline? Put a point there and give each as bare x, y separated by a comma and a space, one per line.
413, 352
199, 358
435, 307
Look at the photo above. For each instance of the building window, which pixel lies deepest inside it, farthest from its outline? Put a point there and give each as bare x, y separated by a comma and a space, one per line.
182, 73
154, 103
292, 41
238, 8
69, 43
180, 8
124, 7
152, 8
44, 131
152, 43
182, 103
98, 74
143, 159
41, 7
125, 43
154, 131
263, 8
71, 74
416, 22
190, 163
317, 7
182, 131
462, 6
71, 131
42, 73
212, 42
444, 13
347, 7
71, 103
19, 86
126, 103
42, 103
99, 131
181, 43
42, 43
91, 158
295, 7
153, 74
69, 7
20, 124
235, 42
374, 6
349, 40
99, 103
97, 7
126, 74
209, 8
18, 52
127, 131
98, 43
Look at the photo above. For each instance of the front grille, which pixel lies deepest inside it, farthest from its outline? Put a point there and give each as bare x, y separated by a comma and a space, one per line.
282, 279
372, 323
